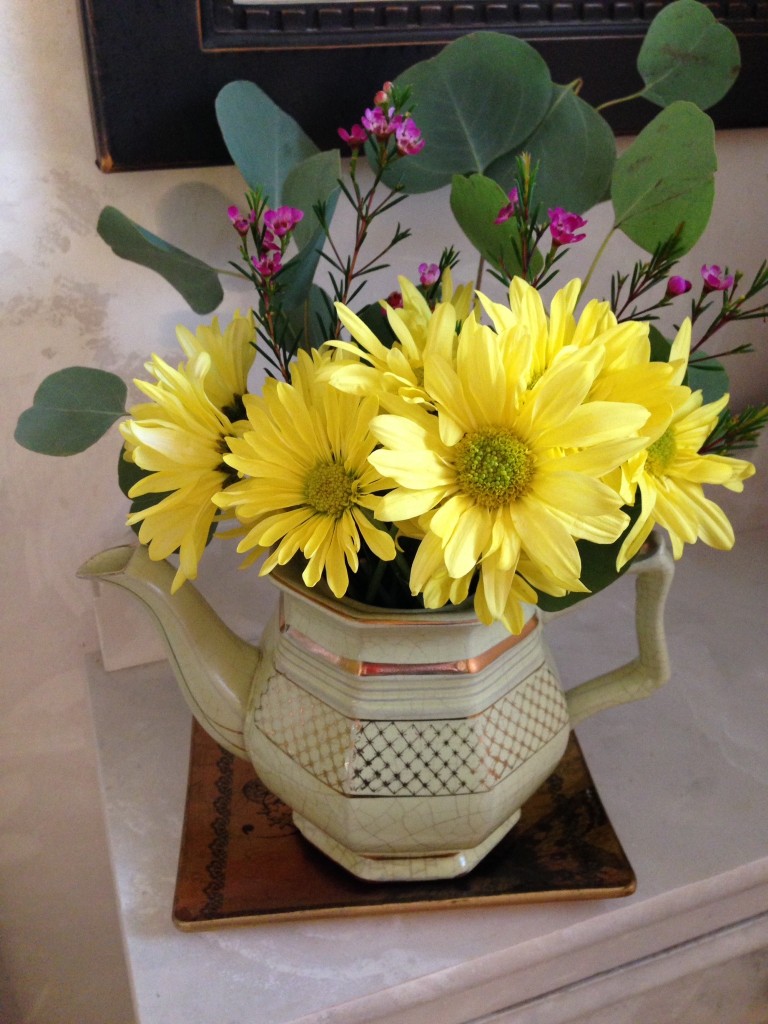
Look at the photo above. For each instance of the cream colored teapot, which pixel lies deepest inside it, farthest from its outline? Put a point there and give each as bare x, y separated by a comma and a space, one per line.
405, 743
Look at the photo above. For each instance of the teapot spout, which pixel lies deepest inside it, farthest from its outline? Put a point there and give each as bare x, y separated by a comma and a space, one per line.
213, 666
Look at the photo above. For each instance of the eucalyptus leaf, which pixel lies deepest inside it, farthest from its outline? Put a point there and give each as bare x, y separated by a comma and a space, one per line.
479, 98
264, 142
195, 281
475, 202
71, 410
688, 55
315, 180
665, 179
575, 150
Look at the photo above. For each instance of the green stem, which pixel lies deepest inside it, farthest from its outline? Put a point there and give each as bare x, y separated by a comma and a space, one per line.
480, 271
621, 99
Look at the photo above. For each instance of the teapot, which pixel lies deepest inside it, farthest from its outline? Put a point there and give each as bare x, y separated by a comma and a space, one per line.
404, 742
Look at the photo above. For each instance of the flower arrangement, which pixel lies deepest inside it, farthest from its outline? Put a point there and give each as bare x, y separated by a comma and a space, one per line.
444, 444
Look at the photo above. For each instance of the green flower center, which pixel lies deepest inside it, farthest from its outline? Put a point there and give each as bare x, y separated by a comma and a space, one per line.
493, 466
329, 489
661, 453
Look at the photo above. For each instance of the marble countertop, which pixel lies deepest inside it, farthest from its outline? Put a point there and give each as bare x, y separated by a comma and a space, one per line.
683, 776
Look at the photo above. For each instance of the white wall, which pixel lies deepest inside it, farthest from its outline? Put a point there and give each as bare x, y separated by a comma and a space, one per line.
64, 300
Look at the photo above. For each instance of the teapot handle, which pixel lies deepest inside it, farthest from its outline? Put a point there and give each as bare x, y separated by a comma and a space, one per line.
650, 669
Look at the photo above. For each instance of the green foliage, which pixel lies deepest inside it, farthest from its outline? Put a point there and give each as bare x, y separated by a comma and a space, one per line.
688, 55
475, 202
665, 179
195, 281
71, 410
575, 151
312, 182
479, 98
264, 142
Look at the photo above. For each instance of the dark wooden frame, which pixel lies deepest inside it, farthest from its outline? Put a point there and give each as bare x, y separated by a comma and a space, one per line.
155, 66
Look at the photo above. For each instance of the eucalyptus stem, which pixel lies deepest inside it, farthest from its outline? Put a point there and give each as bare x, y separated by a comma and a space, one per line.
621, 99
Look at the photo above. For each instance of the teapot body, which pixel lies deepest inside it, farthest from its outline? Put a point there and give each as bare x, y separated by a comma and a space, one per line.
405, 743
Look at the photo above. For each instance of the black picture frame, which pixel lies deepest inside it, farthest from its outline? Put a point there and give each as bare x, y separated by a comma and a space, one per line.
155, 68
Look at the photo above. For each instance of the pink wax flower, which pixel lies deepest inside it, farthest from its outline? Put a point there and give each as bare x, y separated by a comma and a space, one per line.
408, 138
429, 273
508, 211
378, 123
715, 279
241, 222
270, 242
678, 285
355, 137
564, 226
395, 300
283, 220
268, 264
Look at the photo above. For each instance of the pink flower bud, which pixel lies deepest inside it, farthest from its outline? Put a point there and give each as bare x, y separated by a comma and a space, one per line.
241, 222
383, 97
395, 300
563, 226
429, 274
283, 220
508, 211
678, 285
715, 279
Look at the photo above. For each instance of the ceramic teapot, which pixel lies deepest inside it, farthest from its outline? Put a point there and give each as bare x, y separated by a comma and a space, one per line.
405, 743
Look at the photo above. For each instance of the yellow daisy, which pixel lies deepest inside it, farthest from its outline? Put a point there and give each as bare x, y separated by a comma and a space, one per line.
178, 439
307, 485
671, 472
505, 472
232, 354
370, 366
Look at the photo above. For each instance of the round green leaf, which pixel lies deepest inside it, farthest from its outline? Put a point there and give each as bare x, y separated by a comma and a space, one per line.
575, 150
665, 179
475, 202
688, 55
480, 97
195, 281
264, 142
71, 410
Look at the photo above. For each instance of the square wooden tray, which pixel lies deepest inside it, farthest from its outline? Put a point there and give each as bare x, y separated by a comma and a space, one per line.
242, 861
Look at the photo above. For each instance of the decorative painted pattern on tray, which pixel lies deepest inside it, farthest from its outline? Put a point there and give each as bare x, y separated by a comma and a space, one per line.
241, 860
